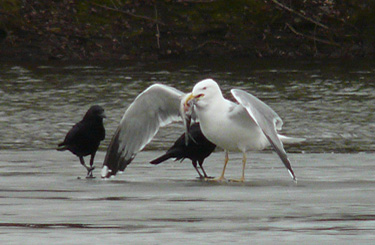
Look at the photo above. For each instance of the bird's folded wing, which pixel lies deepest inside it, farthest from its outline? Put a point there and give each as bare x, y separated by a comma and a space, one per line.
267, 119
155, 107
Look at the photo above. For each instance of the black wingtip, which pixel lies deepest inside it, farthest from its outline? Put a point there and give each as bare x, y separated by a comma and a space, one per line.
284, 158
112, 158
292, 175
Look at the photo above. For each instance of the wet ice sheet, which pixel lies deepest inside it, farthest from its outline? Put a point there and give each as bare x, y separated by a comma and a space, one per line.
42, 200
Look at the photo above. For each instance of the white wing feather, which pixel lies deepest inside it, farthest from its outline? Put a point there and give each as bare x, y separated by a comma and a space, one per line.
267, 119
155, 107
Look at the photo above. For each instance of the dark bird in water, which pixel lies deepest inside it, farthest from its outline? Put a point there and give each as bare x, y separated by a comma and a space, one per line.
197, 149
85, 136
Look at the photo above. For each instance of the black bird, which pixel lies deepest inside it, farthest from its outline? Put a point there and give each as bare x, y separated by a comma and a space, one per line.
197, 149
84, 137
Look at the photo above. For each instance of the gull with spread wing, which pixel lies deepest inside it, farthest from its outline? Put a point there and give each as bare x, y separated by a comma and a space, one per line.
247, 125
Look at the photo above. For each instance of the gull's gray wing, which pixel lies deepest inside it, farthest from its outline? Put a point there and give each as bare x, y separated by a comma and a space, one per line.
155, 107
267, 119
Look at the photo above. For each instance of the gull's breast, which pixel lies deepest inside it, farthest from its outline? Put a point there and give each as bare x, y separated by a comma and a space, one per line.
230, 135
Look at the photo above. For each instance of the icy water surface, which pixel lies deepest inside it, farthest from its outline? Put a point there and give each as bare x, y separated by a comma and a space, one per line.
43, 201
329, 103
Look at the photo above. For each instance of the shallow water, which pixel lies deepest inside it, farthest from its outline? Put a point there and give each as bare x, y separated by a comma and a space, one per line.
331, 104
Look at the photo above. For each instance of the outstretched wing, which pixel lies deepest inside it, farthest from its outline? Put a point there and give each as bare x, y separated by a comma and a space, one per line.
155, 107
268, 120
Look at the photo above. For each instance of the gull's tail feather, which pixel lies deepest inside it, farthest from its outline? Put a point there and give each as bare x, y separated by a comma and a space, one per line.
290, 140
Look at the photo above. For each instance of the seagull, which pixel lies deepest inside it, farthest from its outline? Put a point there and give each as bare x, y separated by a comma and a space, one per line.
197, 149
84, 137
247, 125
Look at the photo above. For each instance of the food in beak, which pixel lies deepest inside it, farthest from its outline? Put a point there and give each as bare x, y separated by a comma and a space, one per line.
186, 110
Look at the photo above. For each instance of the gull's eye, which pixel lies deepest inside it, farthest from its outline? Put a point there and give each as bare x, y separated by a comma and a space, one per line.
204, 88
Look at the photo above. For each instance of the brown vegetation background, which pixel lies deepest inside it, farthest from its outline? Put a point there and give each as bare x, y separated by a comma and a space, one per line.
144, 30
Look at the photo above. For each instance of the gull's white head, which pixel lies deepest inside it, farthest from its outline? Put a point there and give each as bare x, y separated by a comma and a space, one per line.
206, 88
204, 91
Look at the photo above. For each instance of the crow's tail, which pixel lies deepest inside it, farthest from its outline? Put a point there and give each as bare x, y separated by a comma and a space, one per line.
61, 147
161, 158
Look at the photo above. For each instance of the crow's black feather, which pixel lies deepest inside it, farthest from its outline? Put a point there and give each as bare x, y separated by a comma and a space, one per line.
84, 138
197, 149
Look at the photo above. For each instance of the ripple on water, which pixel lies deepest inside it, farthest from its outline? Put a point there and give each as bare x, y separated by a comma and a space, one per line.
316, 100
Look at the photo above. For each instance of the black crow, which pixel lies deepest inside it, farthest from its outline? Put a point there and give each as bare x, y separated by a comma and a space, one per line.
197, 149
84, 137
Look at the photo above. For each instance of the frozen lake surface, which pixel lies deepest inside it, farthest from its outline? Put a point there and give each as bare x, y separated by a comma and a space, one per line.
43, 202
330, 103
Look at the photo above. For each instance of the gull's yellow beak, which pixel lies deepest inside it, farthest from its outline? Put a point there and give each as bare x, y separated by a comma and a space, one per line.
191, 98
188, 98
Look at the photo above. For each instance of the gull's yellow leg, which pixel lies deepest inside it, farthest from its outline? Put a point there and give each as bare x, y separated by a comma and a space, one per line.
243, 166
243, 169
221, 178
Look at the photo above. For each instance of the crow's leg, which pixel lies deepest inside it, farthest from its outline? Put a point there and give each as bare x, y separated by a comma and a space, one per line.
89, 171
204, 172
194, 162
84, 165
